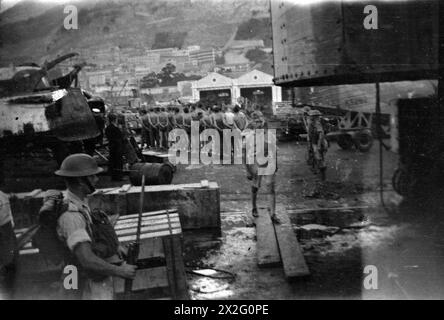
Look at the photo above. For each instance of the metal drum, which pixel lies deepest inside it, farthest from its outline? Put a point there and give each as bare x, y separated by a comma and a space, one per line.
155, 173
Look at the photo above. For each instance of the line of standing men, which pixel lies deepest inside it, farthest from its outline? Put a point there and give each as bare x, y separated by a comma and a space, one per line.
157, 122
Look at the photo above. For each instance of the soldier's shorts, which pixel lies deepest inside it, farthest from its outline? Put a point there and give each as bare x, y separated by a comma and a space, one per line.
267, 182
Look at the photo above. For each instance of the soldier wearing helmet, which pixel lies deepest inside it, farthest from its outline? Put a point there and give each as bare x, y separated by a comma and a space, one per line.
306, 110
317, 139
88, 234
116, 148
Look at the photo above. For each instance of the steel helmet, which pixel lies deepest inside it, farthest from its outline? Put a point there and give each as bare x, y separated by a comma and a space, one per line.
257, 115
78, 165
314, 113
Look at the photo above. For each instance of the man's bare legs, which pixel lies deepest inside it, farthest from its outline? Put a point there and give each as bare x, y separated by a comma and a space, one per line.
271, 202
254, 191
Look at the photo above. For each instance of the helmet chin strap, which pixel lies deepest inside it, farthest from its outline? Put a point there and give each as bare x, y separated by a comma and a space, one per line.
86, 181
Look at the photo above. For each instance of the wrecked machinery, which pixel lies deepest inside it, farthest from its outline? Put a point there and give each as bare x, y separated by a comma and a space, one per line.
39, 112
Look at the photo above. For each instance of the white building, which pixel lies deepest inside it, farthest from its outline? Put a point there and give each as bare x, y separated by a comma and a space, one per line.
259, 88
256, 86
214, 87
99, 77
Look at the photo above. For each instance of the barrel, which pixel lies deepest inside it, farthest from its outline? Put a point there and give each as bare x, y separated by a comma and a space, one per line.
155, 173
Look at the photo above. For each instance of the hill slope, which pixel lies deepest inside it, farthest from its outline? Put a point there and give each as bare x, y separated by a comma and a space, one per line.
121, 23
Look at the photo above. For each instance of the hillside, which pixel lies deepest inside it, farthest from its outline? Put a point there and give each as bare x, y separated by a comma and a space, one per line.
123, 23
24, 10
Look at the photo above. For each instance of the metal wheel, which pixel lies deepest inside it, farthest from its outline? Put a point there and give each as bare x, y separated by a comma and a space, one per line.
345, 142
363, 141
403, 182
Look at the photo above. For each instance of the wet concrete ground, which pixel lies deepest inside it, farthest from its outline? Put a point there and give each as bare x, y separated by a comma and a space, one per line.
402, 242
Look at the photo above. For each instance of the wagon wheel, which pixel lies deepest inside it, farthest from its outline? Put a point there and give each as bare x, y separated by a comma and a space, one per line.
345, 142
403, 182
363, 141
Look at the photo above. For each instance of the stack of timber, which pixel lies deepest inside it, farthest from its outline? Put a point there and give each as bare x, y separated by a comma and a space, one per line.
198, 204
277, 245
161, 271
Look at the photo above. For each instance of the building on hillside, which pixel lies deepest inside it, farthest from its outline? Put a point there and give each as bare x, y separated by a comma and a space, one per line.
162, 93
178, 61
123, 76
114, 92
140, 72
163, 51
103, 57
233, 70
144, 60
99, 77
203, 56
193, 48
185, 89
245, 45
160, 90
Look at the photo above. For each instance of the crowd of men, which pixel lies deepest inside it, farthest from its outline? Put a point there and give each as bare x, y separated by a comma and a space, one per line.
157, 122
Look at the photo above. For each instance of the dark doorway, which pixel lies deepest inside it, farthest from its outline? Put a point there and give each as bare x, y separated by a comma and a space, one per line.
260, 96
212, 97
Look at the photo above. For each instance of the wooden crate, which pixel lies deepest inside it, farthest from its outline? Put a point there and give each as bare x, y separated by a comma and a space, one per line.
161, 271
199, 206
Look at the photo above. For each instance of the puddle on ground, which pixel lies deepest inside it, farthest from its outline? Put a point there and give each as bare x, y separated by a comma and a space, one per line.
336, 217
340, 229
207, 288
229, 252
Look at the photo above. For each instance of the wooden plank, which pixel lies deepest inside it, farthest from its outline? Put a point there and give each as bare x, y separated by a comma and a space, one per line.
159, 188
267, 250
148, 229
292, 258
150, 235
145, 279
308, 210
146, 214
146, 222
175, 267
146, 219
125, 188
151, 248
158, 223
